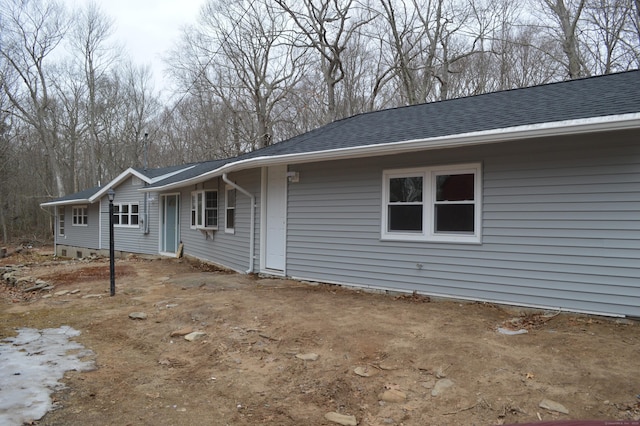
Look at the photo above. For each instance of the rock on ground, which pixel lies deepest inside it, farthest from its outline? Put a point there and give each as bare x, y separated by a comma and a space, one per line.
440, 386
308, 357
553, 406
196, 335
393, 395
341, 419
138, 316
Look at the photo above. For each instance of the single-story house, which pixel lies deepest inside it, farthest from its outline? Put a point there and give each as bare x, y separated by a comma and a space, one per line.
526, 197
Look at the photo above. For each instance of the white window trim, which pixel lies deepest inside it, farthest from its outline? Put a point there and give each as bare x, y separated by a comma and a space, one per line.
74, 215
428, 201
193, 209
227, 230
203, 211
129, 214
62, 218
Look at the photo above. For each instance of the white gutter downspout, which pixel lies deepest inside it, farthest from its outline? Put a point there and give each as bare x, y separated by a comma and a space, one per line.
252, 227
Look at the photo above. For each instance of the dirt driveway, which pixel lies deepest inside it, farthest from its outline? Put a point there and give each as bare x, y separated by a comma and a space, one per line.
384, 359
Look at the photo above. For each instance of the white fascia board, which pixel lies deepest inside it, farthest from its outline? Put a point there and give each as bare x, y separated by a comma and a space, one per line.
117, 181
556, 128
131, 172
66, 202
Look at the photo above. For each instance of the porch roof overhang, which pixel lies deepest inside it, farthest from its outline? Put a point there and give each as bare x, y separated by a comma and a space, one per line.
74, 201
508, 134
95, 194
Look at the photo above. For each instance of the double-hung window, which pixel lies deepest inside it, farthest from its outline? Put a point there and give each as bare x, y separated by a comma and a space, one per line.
230, 210
126, 215
432, 204
204, 210
79, 216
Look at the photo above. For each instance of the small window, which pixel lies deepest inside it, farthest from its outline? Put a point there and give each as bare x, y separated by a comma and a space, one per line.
194, 209
432, 204
135, 215
126, 215
116, 214
211, 209
61, 221
204, 210
79, 216
230, 210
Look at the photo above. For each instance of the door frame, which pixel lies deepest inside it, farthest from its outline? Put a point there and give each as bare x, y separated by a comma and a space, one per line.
263, 221
162, 208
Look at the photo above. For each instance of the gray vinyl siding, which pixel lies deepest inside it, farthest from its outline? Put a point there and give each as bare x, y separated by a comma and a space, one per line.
132, 239
229, 250
560, 226
77, 235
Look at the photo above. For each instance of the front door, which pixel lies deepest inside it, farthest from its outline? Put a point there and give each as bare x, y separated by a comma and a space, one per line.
170, 236
275, 218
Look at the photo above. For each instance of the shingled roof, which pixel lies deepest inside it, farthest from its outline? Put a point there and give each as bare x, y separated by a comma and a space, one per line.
161, 171
75, 198
613, 94
562, 102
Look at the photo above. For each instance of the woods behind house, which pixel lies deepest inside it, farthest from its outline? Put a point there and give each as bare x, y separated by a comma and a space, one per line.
249, 73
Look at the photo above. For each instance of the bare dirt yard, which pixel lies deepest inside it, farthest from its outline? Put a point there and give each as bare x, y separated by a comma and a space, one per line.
281, 352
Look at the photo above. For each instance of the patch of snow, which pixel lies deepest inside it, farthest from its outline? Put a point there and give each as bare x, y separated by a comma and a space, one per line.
31, 365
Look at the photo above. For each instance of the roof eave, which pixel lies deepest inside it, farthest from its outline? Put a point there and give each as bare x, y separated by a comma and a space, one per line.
557, 128
66, 202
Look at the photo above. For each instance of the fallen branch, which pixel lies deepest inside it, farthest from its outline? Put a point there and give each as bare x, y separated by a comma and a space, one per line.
37, 287
460, 410
268, 337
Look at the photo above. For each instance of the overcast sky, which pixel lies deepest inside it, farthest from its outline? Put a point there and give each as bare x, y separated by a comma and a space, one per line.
148, 28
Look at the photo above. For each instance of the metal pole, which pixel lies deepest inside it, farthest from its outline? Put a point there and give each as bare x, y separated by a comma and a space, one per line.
146, 150
112, 267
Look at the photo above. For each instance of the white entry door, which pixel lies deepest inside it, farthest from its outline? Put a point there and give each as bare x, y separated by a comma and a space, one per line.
170, 225
275, 218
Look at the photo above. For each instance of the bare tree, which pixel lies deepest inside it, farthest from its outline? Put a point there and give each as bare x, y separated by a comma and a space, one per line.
5, 164
636, 18
611, 35
255, 58
141, 105
90, 36
195, 113
244, 55
32, 30
411, 62
634, 44
70, 93
327, 27
367, 76
563, 18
